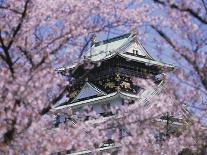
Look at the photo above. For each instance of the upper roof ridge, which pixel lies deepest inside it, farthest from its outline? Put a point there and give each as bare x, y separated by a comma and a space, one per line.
112, 39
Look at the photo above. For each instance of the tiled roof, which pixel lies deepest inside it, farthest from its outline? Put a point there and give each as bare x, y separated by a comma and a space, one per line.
107, 49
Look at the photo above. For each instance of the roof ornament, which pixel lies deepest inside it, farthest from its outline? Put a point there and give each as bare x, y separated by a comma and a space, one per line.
93, 42
93, 39
135, 33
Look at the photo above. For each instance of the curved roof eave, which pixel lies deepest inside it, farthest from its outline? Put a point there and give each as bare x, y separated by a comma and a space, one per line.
123, 55
76, 65
88, 102
148, 61
108, 97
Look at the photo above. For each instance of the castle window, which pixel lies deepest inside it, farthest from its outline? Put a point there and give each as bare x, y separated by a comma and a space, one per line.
59, 119
62, 119
136, 52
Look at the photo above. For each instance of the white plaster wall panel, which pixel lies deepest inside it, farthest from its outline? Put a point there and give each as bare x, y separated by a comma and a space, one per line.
109, 133
116, 103
98, 108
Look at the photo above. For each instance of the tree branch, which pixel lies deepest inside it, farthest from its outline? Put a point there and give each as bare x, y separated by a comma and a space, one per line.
199, 71
19, 25
54, 101
27, 55
7, 8
2, 41
188, 10
7, 57
204, 5
85, 46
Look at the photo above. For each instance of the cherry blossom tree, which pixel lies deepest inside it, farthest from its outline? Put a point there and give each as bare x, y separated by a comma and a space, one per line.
37, 36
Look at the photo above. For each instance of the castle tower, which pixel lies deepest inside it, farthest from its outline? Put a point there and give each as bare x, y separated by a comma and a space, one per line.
103, 77
105, 72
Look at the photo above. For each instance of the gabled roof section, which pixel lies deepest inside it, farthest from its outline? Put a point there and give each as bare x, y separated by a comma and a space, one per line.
136, 48
87, 91
99, 99
127, 43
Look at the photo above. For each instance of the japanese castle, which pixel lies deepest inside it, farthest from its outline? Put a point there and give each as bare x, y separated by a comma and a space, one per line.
103, 77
